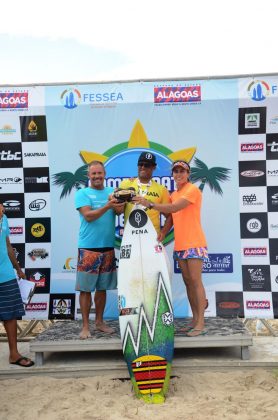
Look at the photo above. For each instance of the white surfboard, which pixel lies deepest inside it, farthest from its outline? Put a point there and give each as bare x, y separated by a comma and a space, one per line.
145, 306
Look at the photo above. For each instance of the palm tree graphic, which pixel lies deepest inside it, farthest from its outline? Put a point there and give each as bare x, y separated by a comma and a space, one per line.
210, 176
69, 180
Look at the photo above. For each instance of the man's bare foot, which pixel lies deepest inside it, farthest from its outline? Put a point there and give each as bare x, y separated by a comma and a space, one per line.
103, 327
85, 333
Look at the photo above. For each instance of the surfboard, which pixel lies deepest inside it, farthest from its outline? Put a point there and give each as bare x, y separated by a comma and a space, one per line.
145, 308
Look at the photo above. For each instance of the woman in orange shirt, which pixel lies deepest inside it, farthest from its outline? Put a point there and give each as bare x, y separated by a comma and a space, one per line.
190, 247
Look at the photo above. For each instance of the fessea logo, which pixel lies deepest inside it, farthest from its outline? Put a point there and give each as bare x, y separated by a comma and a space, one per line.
183, 94
259, 90
120, 164
10, 100
71, 98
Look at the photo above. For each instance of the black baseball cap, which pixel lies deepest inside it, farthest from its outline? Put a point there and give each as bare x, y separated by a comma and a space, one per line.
147, 157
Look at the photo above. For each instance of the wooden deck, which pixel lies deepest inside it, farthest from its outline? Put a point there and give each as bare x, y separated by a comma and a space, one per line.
63, 336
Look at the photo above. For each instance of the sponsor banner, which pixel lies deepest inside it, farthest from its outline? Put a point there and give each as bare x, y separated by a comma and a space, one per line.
70, 265
272, 146
17, 230
38, 229
14, 99
78, 315
62, 306
35, 155
11, 180
258, 304
13, 205
272, 172
95, 96
9, 129
229, 304
10, 155
19, 252
256, 278
36, 180
274, 277
219, 263
41, 278
252, 120
177, 94
37, 255
254, 251
272, 198
253, 225
37, 205
273, 250
33, 128
253, 199
252, 147
273, 225
252, 174
38, 307
257, 91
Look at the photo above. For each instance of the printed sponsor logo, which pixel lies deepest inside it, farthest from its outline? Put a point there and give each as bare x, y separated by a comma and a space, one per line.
158, 249
36, 306
16, 230
36, 179
252, 120
254, 225
34, 154
37, 204
229, 305
254, 251
273, 146
139, 231
218, 263
8, 155
250, 200
38, 253
125, 251
274, 120
258, 304
70, 265
252, 173
7, 129
13, 100
33, 128
252, 147
273, 226
256, 274
12, 205
71, 98
167, 318
11, 180
38, 230
184, 94
38, 278
273, 172
258, 90
61, 307
274, 199
138, 219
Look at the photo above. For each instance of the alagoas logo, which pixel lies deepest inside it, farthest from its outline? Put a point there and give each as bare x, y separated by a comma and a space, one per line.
252, 147
185, 94
10, 100
120, 164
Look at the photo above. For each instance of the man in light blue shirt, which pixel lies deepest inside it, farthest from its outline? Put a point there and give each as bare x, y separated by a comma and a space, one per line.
96, 266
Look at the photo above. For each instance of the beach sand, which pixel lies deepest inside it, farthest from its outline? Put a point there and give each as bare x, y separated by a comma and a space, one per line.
231, 394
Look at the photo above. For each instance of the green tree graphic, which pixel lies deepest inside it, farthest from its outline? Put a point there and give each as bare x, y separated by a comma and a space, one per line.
208, 176
68, 180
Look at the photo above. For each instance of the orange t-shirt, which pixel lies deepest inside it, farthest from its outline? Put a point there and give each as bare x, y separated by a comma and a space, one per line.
187, 222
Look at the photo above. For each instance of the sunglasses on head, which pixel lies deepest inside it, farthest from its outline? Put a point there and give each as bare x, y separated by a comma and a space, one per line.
145, 164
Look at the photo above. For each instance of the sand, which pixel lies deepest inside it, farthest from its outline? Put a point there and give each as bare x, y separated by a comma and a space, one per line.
232, 394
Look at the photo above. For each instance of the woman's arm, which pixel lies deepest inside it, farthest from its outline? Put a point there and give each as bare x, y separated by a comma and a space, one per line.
180, 204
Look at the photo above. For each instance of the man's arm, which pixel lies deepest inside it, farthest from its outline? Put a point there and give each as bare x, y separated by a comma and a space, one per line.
13, 259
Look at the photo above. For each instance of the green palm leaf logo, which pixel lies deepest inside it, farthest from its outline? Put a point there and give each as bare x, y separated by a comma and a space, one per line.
70, 181
211, 176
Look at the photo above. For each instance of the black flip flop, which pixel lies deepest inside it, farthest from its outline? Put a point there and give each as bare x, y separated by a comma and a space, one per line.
18, 362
